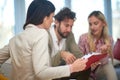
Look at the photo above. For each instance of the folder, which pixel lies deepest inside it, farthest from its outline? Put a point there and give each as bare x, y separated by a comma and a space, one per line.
93, 57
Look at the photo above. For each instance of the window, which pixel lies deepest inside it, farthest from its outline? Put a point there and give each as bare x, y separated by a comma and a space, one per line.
6, 21
116, 19
83, 8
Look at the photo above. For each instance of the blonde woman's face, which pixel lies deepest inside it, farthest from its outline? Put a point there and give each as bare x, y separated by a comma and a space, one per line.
96, 26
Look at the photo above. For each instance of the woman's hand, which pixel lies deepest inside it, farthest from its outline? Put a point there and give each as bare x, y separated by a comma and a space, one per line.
94, 65
105, 48
78, 65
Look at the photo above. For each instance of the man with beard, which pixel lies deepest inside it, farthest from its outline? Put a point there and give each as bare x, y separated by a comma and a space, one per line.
65, 50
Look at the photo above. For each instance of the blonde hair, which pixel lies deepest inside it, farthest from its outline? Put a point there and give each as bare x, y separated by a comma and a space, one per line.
105, 33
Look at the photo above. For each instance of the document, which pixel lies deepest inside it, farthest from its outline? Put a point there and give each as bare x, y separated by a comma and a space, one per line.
93, 57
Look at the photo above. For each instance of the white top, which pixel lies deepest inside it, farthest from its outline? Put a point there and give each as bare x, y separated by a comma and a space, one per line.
56, 47
30, 57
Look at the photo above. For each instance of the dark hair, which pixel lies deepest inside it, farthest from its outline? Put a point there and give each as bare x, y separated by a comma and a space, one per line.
37, 11
65, 13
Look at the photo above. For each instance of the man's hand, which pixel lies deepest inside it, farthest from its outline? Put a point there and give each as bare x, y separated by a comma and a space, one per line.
68, 57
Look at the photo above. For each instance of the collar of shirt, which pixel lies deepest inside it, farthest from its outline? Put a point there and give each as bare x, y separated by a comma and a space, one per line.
61, 45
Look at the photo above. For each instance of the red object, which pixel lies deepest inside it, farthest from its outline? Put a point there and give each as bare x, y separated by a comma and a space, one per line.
92, 58
116, 50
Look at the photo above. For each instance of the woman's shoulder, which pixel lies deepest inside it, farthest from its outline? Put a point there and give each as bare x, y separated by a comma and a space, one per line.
84, 36
111, 39
34, 32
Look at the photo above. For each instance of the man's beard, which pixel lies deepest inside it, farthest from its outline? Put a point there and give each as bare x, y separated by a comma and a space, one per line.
61, 34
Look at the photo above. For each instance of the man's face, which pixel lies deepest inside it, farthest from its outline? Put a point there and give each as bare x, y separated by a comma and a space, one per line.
64, 27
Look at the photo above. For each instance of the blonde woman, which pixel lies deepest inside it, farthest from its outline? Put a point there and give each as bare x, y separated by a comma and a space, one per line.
98, 40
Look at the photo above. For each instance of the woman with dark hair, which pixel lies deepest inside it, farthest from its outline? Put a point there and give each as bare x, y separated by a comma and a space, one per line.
29, 51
